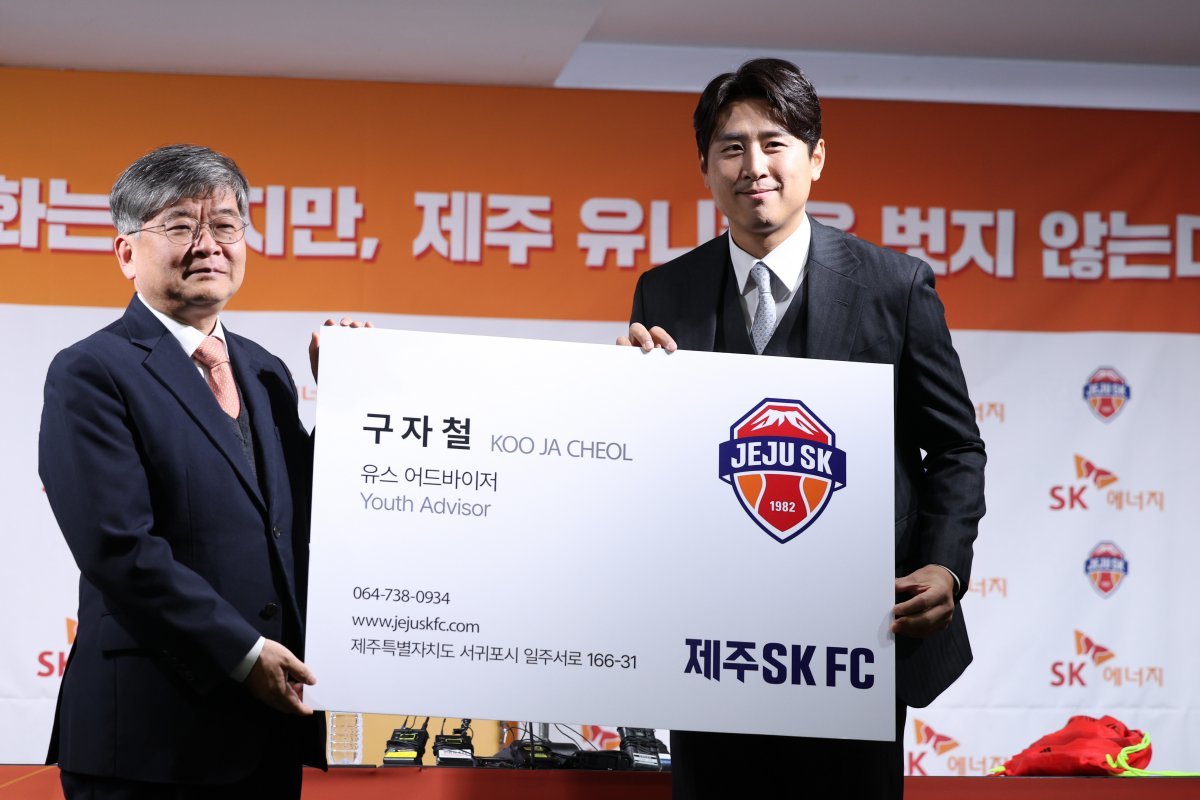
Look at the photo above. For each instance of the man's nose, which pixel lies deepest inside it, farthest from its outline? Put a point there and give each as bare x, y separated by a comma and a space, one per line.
205, 242
754, 162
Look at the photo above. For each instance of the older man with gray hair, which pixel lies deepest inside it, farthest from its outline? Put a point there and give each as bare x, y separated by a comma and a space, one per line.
179, 473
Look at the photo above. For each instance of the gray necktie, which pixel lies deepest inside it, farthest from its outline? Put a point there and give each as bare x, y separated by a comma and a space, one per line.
764, 315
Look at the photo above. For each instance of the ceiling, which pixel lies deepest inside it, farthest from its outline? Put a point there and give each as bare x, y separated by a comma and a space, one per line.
1126, 31
532, 42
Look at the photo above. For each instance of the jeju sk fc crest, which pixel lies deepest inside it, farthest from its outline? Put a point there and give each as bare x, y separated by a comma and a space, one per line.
783, 464
1106, 393
1106, 566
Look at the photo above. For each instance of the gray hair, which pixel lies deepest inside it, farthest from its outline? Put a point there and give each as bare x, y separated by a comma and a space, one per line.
163, 177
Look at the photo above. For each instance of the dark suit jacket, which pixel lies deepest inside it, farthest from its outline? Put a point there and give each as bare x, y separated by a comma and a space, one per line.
186, 557
863, 303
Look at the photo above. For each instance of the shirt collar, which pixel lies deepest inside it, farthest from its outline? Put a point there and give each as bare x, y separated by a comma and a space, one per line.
188, 337
786, 262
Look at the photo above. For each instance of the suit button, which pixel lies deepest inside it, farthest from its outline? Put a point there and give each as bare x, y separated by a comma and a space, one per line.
269, 611
276, 532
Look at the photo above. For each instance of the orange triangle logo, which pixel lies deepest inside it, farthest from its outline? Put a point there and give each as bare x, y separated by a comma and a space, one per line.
1084, 646
938, 741
1083, 467
1086, 469
602, 738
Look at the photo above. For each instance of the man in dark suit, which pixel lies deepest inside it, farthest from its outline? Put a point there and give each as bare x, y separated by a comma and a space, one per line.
780, 283
179, 473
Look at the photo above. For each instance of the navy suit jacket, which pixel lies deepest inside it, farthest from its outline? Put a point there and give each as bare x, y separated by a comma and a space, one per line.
863, 303
186, 557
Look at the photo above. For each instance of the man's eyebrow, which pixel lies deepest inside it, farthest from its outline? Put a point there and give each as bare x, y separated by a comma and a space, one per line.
178, 212
773, 133
738, 136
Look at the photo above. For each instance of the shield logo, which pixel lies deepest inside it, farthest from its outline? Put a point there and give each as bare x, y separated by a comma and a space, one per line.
1106, 393
783, 464
1106, 566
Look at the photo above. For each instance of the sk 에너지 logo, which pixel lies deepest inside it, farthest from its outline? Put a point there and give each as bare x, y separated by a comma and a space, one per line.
1069, 497
1106, 393
53, 663
940, 743
927, 741
783, 465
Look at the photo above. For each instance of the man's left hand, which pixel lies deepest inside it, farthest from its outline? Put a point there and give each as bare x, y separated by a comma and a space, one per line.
931, 607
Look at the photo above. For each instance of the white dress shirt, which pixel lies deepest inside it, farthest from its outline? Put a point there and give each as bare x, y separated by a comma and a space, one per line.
786, 264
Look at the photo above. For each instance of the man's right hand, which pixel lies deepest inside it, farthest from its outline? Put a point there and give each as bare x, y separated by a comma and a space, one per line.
648, 339
278, 679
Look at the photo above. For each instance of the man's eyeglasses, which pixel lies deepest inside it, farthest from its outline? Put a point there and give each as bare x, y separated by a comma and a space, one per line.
225, 230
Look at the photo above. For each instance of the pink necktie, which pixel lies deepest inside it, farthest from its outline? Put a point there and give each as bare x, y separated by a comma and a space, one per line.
211, 353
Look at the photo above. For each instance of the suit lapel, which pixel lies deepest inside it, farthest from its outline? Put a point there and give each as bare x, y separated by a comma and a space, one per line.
834, 298
272, 466
258, 405
734, 336
174, 370
705, 281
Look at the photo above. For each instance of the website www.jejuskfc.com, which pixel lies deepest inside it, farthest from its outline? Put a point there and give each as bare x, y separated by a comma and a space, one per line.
406, 624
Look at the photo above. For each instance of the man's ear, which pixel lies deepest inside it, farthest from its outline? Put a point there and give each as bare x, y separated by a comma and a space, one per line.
818, 159
123, 247
704, 170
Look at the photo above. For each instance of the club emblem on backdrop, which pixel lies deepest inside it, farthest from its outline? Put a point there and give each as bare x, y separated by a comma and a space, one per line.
783, 465
1106, 566
1106, 393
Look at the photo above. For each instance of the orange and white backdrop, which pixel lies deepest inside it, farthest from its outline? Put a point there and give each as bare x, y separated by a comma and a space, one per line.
1066, 244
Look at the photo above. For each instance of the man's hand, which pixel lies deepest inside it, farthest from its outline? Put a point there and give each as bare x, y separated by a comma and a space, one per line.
648, 339
314, 344
931, 606
278, 679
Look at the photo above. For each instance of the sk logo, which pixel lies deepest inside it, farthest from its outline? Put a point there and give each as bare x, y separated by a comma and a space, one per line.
52, 663
1084, 646
1106, 392
783, 466
1085, 469
601, 738
926, 735
1106, 566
